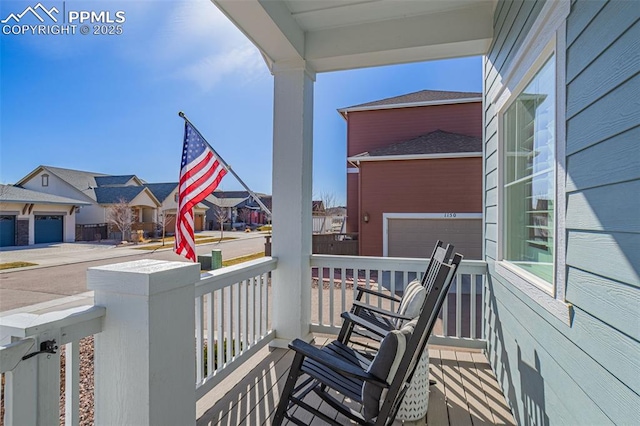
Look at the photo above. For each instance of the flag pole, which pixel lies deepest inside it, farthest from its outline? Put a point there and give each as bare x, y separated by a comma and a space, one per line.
227, 167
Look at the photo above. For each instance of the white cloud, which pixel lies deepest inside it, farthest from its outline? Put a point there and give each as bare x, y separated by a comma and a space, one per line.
199, 43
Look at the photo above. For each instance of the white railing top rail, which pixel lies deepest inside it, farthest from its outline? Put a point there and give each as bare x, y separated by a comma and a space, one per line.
74, 324
225, 277
388, 263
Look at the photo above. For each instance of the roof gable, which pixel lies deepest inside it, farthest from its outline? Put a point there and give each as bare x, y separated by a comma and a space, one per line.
421, 98
161, 190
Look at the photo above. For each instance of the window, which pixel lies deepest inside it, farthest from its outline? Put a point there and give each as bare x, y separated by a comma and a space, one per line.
45, 180
175, 197
529, 175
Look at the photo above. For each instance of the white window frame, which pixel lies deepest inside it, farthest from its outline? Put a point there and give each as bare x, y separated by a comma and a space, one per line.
547, 37
45, 180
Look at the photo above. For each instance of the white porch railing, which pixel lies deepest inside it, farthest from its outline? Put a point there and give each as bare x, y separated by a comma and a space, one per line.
232, 311
334, 280
32, 385
143, 332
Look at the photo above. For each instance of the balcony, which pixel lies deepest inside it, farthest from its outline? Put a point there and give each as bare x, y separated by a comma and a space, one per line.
147, 313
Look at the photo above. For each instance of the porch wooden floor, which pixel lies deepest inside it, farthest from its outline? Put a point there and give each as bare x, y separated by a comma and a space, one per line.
466, 392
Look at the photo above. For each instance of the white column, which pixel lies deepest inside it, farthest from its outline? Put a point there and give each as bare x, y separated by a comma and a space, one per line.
292, 193
145, 355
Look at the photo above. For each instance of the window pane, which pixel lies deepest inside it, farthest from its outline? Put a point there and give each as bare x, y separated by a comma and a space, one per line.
529, 131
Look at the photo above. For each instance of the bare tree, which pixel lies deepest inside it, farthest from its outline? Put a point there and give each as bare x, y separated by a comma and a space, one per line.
164, 220
328, 200
220, 215
332, 220
245, 215
120, 216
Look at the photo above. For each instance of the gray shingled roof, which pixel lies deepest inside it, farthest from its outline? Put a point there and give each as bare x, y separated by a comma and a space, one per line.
113, 194
113, 180
161, 190
416, 97
437, 142
15, 194
81, 180
232, 198
251, 203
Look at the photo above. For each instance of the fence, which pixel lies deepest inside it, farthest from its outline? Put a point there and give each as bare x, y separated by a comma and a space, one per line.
93, 232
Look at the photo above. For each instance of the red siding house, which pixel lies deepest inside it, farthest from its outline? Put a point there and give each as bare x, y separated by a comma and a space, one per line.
414, 173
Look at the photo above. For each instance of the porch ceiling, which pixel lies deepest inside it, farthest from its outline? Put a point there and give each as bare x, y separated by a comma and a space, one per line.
333, 35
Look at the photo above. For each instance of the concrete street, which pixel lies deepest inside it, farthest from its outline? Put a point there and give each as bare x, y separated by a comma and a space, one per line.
61, 270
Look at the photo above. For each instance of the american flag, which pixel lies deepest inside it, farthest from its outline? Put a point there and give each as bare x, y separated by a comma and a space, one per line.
200, 173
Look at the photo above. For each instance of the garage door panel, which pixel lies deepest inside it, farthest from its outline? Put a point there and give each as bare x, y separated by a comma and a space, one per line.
48, 229
7, 231
416, 237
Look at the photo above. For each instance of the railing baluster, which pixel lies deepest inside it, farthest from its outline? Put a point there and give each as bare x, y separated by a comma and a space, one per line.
225, 338
72, 384
445, 315
320, 294
485, 307
236, 320
380, 287
331, 297
252, 313
392, 286
210, 334
220, 328
244, 325
472, 302
264, 294
199, 339
343, 289
367, 282
458, 305
256, 307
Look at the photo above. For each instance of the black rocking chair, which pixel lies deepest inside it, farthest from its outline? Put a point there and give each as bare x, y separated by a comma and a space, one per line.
338, 368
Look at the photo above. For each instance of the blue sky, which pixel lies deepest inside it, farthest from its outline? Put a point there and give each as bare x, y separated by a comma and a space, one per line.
109, 103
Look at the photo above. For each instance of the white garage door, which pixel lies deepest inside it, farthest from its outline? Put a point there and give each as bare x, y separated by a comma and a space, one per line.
416, 237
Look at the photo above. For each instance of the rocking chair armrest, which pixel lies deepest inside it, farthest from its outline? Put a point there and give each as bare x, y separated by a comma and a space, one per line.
359, 321
380, 311
334, 363
362, 290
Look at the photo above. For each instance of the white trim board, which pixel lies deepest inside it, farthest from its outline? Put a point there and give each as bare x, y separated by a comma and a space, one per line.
546, 37
432, 216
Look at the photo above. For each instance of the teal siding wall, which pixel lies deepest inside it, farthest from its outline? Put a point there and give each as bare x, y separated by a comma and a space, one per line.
589, 372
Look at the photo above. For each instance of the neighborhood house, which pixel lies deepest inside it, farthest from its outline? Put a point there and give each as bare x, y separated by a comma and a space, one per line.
414, 173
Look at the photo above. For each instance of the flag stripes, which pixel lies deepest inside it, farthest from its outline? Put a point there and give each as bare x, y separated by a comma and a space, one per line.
200, 174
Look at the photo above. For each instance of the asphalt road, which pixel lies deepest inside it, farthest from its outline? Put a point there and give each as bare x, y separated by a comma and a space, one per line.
28, 287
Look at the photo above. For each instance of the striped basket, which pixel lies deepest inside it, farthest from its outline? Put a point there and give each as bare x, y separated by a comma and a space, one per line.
415, 402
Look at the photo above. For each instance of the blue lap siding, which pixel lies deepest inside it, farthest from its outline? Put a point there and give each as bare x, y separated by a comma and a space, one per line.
587, 372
